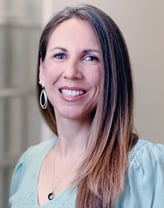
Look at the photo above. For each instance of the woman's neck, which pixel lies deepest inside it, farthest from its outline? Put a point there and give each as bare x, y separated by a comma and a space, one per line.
73, 136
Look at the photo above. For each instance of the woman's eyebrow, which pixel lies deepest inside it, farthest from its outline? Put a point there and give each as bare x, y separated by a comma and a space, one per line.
91, 50
58, 48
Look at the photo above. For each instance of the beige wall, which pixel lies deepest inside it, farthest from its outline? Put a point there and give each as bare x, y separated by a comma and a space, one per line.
143, 27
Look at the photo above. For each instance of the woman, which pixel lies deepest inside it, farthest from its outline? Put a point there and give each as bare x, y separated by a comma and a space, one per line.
85, 92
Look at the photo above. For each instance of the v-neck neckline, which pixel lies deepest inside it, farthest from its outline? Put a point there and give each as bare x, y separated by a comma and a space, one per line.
41, 161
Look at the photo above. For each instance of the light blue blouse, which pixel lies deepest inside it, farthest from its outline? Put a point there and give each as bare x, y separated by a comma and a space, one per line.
144, 184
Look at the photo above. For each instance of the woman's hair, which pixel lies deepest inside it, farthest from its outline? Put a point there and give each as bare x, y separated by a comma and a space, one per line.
101, 176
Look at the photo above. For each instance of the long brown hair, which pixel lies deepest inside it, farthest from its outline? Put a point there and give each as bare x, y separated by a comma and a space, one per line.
101, 176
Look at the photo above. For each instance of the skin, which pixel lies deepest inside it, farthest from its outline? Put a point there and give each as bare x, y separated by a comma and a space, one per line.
72, 64
71, 75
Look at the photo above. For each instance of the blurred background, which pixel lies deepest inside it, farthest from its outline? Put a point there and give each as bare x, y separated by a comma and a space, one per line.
21, 22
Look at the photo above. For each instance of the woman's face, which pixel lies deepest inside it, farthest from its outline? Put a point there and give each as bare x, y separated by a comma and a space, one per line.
72, 69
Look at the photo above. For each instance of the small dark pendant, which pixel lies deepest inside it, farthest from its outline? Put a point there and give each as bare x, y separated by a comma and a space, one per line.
51, 195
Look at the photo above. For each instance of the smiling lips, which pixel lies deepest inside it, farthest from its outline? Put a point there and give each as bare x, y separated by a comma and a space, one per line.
68, 92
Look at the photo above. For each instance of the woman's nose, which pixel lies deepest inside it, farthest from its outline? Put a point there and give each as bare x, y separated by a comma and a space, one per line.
72, 70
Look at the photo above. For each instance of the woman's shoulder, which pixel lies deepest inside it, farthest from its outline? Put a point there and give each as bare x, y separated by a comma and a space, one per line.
146, 153
146, 164
144, 181
39, 148
34, 153
29, 161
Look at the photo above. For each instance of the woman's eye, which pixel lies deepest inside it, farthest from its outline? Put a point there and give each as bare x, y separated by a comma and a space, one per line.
91, 58
60, 56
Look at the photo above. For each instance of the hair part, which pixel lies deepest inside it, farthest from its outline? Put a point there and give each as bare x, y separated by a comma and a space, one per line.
101, 176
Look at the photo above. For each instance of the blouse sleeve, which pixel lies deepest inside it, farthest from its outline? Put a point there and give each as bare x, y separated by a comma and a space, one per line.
18, 173
144, 185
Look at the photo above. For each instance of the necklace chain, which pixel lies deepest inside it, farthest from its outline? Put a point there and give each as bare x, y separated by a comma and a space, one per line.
51, 195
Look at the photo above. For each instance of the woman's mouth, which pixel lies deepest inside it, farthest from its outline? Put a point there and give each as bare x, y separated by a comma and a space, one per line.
71, 92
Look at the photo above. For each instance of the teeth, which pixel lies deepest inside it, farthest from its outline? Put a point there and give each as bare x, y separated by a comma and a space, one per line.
71, 93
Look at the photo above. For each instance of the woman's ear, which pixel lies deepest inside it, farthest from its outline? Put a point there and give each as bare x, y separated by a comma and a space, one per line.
41, 73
